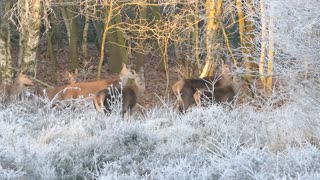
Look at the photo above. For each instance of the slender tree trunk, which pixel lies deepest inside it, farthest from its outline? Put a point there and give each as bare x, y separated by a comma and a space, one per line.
85, 36
54, 63
30, 37
196, 36
143, 22
210, 15
245, 31
115, 60
116, 45
121, 43
109, 13
85, 40
164, 53
73, 37
155, 18
270, 57
5, 47
263, 42
213, 12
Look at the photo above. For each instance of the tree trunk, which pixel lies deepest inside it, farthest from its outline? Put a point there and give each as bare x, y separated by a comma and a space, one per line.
5, 49
85, 36
52, 57
30, 35
213, 12
263, 42
245, 31
109, 13
196, 36
121, 43
143, 22
270, 57
115, 61
73, 37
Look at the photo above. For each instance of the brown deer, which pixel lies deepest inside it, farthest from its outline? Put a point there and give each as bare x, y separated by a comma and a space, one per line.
73, 76
54, 92
185, 89
218, 95
128, 96
15, 91
90, 89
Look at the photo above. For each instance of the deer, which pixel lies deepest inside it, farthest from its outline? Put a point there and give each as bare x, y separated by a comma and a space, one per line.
16, 90
53, 92
89, 89
188, 91
218, 95
128, 96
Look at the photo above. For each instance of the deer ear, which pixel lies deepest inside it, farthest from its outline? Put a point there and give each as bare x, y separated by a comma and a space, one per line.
68, 73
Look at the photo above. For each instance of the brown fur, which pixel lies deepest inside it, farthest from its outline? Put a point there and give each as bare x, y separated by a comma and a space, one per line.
55, 92
131, 95
185, 89
15, 91
90, 89
219, 95
86, 89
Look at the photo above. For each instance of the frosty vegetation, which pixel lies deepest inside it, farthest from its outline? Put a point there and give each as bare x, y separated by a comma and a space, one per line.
206, 143
39, 142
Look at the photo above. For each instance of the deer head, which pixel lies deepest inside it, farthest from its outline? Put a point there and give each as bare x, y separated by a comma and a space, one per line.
24, 79
72, 76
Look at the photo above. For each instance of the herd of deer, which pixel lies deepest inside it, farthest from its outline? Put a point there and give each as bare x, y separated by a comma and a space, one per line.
221, 87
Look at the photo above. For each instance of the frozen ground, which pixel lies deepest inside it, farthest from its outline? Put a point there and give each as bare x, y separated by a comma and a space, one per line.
37, 142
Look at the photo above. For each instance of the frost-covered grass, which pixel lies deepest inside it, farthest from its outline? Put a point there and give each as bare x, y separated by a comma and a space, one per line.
37, 142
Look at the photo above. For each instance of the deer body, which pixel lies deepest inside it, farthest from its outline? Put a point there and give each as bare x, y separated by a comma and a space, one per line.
131, 95
86, 89
186, 90
219, 95
55, 92
15, 91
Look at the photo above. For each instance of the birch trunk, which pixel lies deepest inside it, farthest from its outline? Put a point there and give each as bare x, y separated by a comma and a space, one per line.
213, 12
85, 35
5, 49
30, 34
270, 57
263, 42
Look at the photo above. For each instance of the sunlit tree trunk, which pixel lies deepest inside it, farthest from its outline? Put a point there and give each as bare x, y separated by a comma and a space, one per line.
263, 42
5, 43
213, 9
246, 33
270, 57
30, 34
107, 20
